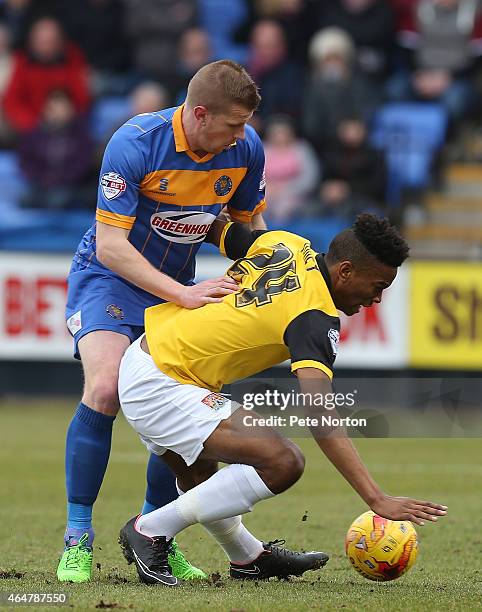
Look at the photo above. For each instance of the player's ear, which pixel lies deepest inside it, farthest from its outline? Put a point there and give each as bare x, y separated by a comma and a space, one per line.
345, 271
200, 113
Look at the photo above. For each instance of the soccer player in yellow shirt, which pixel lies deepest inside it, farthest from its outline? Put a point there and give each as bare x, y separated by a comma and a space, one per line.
286, 307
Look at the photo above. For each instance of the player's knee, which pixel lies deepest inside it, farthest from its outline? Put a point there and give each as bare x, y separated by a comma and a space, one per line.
286, 467
204, 471
102, 395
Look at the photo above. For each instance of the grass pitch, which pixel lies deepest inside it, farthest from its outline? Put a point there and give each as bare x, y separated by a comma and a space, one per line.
314, 514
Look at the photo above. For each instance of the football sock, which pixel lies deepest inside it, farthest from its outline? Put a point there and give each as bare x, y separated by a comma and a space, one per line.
72, 536
161, 485
148, 507
231, 491
238, 543
80, 516
86, 455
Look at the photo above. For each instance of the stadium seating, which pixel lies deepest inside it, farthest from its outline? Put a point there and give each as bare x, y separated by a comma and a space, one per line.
410, 134
11, 179
107, 115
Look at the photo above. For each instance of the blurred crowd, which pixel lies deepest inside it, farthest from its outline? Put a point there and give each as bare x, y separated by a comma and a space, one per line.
328, 71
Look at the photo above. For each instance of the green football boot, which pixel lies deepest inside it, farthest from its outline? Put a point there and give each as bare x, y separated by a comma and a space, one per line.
76, 562
180, 566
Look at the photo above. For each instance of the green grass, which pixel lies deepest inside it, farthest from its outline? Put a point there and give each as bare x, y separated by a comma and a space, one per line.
447, 576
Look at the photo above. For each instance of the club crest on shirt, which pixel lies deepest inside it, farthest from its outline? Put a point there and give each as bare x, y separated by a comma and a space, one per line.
223, 185
215, 401
114, 311
112, 185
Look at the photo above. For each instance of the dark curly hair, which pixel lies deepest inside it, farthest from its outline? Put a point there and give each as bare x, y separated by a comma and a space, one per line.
369, 236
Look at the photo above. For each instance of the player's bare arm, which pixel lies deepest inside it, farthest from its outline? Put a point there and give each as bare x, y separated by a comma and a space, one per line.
258, 222
342, 453
116, 252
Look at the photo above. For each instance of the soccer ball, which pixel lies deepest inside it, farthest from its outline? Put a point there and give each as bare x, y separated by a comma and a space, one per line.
381, 549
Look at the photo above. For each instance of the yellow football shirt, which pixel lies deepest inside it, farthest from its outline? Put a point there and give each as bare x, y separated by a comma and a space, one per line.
283, 309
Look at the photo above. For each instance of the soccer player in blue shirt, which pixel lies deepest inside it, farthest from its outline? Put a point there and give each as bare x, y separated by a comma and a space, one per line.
165, 177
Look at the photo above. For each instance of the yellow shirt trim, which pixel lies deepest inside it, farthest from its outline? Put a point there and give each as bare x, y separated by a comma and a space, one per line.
245, 216
308, 363
191, 187
115, 219
222, 247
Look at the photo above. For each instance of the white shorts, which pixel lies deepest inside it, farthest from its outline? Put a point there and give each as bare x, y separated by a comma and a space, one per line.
166, 414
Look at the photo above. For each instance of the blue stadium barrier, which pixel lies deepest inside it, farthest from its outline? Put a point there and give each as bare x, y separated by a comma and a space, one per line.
44, 231
410, 134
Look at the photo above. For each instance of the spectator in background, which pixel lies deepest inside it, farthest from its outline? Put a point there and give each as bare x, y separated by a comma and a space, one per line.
337, 91
15, 15
49, 63
442, 43
279, 78
292, 15
354, 174
291, 169
194, 53
147, 97
6, 60
98, 27
57, 157
6, 65
403, 12
154, 28
371, 26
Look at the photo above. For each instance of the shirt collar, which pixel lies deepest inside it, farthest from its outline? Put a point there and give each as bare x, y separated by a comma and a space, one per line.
320, 260
179, 135
180, 140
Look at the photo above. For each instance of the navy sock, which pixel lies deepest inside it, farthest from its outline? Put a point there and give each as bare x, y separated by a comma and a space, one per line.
161, 485
86, 455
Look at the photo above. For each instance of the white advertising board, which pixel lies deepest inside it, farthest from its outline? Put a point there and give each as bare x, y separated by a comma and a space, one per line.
378, 337
33, 294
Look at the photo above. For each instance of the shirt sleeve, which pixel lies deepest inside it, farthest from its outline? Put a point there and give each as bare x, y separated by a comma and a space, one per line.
249, 198
123, 168
312, 339
236, 240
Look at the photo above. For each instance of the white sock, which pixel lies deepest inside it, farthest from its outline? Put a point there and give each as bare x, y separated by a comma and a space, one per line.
238, 543
231, 491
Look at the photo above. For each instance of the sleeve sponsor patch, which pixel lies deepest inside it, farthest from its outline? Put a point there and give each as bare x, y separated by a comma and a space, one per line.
313, 336
113, 185
334, 336
262, 184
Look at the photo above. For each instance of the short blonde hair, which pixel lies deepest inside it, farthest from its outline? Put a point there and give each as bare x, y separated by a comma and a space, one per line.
219, 85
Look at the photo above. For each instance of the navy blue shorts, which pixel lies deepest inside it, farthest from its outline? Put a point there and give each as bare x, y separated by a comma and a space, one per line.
97, 301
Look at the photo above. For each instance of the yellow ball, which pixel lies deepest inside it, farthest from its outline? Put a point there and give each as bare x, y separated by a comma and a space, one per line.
381, 549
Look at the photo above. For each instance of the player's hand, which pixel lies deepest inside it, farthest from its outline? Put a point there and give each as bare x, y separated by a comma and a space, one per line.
207, 292
406, 509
